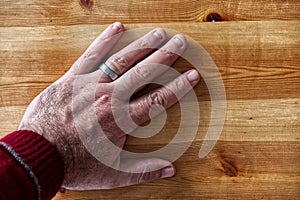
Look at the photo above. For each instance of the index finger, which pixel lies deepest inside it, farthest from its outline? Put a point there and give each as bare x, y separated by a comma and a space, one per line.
96, 52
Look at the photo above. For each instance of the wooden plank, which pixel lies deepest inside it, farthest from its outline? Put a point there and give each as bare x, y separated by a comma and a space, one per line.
251, 120
60, 12
233, 170
258, 155
250, 56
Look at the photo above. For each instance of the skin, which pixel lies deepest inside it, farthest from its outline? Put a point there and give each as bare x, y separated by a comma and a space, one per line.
51, 115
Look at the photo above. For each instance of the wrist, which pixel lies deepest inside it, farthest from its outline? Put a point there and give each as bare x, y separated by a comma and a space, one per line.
39, 158
55, 138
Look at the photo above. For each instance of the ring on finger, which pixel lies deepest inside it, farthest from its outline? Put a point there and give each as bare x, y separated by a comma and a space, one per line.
108, 71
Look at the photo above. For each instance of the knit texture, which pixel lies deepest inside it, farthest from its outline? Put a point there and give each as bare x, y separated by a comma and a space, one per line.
40, 156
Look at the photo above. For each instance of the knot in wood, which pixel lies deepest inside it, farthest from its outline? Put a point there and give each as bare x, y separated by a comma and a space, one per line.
86, 4
229, 167
213, 17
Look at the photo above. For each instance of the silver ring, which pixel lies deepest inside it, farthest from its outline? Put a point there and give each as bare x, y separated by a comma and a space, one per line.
108, 71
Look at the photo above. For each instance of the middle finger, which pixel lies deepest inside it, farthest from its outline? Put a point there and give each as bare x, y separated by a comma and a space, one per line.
151, 67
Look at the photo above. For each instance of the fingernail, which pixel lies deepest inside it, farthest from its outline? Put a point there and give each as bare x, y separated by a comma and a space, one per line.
167, 172
157, 34
193, 75
117, 26
178, 41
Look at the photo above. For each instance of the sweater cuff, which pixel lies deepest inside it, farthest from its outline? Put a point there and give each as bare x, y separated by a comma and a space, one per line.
39, 158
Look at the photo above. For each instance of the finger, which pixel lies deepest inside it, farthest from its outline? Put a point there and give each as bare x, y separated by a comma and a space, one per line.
133, 171
164, 97
95, 53
121, 61
152, 66
148, 169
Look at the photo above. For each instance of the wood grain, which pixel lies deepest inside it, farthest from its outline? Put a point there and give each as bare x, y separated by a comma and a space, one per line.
258, 152
250, 56
274, 120
62, 12
257, 54
233, 170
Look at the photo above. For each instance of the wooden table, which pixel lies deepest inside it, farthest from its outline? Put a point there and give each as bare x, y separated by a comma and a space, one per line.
256, 50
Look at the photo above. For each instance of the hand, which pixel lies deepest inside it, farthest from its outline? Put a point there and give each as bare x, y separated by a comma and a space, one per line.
52, 112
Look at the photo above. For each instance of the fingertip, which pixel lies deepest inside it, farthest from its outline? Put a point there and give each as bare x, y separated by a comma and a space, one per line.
193, 76
168, 171
117, 26
181, 36
160, 33
180, 40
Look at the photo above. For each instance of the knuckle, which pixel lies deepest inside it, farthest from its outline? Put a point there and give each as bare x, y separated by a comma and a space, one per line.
121, 63
91, 56
143, 44
88, 57
157, 98
86, 54
145, 177
142, 71
168, 52
180, 84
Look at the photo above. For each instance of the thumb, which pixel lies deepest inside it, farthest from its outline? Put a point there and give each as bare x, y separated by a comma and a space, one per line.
141, 170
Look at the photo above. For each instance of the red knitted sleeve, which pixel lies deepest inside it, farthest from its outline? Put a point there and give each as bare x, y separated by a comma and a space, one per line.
30, 167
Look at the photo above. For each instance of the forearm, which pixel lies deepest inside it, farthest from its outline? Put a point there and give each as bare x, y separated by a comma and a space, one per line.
30, 167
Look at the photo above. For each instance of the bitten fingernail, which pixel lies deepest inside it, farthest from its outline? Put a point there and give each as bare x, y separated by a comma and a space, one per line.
193, 75
117, 26
167, 172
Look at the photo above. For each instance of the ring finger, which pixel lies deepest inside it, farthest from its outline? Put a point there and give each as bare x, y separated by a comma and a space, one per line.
123, 60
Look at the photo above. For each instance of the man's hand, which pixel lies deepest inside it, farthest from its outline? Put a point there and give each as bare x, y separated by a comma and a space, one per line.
59, 110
